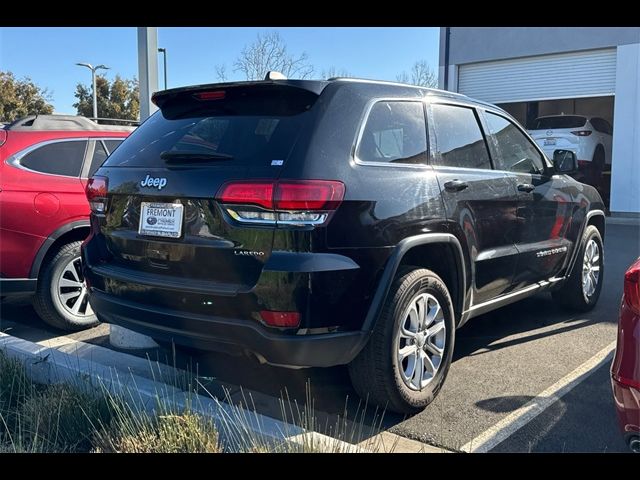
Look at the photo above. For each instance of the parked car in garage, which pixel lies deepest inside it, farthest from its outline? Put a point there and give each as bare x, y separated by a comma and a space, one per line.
590, 138
320, 223
625, 370
45, 161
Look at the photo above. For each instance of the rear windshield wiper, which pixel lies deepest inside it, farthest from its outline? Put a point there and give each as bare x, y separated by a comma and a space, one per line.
172, 155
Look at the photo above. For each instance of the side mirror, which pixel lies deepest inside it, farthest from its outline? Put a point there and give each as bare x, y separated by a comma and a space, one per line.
565, 161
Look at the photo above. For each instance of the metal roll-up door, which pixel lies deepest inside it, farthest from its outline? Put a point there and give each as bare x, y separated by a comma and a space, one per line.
546, 77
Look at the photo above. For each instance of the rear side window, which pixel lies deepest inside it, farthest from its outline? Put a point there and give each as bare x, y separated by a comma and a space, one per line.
395, 132
99, 156
516, 152
601, 125
59, 158
561, 121
459, 140
250, 128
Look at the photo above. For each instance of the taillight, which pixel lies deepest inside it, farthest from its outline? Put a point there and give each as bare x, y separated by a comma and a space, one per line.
582, 133
97, 194
632, 287
251, 193
285, 202
280, 319
3, 136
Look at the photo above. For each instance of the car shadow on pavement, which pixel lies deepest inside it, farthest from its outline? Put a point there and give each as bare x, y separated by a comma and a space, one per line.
583, 420
525, 321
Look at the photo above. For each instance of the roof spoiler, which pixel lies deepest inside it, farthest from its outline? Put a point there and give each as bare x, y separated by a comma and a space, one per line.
162, 97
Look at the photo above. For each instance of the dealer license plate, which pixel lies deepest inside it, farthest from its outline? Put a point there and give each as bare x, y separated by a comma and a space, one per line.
161, 219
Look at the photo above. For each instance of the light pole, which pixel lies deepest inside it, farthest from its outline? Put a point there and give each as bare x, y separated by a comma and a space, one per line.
93, 79
163, 51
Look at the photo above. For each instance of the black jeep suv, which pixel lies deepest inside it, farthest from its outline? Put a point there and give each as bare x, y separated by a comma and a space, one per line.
319, 223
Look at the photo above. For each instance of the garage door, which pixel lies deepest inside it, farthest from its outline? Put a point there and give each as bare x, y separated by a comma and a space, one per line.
565, 75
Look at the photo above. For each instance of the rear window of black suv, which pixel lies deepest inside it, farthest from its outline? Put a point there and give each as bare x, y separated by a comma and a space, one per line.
250, 132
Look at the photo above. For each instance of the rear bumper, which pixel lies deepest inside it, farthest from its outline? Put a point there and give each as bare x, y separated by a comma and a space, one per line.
17, 286
627, 400
229, 335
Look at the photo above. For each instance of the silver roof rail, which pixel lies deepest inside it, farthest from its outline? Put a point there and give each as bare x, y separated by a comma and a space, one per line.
62, 122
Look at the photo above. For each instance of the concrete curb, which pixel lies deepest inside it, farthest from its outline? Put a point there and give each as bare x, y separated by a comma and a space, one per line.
236, 425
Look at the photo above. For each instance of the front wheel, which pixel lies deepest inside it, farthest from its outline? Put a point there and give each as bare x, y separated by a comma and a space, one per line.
582, 289
405, 362
62, 298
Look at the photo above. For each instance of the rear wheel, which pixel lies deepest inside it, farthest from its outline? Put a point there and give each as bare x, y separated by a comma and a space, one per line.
405, 362
62, 298
582, 289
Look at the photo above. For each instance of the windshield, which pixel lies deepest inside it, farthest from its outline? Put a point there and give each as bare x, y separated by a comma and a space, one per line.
561, 121
248, 127
248, 140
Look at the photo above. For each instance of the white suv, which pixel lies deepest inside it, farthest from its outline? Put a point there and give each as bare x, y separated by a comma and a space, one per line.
588, 137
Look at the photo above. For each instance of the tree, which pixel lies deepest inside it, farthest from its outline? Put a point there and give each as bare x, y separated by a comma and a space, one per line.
117, 99
420, 74
333, 72
19, 98
268, 52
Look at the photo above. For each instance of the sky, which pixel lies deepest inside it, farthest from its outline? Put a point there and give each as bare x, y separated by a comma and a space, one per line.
48, 55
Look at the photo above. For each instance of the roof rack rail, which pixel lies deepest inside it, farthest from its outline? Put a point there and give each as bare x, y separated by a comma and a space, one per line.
390, 82
62, 122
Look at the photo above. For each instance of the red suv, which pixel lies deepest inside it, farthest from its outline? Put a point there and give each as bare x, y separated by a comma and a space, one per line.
625, 369
45, 161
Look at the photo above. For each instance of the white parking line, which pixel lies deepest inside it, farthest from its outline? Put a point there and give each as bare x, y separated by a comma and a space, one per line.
520, 417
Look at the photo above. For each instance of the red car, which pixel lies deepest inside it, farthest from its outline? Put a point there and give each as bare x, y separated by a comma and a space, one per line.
625, 370
45, 161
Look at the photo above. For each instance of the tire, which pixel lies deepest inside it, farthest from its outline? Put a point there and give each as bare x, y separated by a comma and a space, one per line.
377, 373
597, 166
50, 305
572, 295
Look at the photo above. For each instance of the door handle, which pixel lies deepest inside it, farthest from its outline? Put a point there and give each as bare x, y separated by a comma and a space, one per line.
526, 187
455, 185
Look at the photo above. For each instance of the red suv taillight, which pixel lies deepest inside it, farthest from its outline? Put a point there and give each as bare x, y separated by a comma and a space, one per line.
632, 287
97, 194
3, 136
284, 202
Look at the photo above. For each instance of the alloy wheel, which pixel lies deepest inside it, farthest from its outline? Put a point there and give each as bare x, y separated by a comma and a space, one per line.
72, 289
421, 341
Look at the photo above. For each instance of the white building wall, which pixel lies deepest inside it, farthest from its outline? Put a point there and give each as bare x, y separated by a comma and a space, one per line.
625, 168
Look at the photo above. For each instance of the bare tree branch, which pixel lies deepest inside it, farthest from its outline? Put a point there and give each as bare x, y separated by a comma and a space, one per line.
221, 72
269, 52
333, 72
421, 74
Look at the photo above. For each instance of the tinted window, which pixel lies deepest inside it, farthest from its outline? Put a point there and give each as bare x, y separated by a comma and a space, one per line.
601, 125
459, 140
561, 121
99, 156
112, 144
60, 158
394, 132
248, 131
515, 152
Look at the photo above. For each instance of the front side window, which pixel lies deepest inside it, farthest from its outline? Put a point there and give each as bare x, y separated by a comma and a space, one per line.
516, 153
59, 158
459, 139
395, 132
